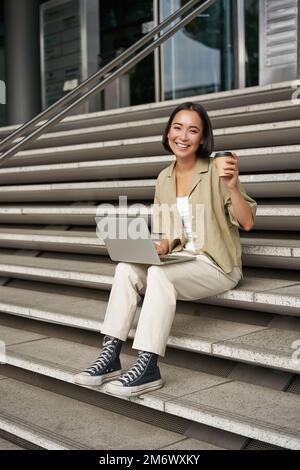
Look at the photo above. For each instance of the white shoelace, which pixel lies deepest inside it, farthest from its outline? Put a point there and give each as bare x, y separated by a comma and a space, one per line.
137, 369
104, 358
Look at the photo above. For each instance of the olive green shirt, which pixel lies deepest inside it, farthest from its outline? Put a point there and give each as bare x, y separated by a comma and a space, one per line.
214, 226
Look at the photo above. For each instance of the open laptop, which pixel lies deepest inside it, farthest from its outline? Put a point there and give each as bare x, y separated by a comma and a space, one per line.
140, 249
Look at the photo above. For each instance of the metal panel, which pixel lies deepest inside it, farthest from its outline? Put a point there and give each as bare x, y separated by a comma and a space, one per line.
69, 40
239, 44
278, 40
157, 53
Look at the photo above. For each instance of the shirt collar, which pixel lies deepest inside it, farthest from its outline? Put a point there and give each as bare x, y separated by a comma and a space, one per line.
201, 166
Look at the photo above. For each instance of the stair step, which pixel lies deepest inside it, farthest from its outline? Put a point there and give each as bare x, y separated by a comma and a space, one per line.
256, 291
249, 96
7, 445
27, 412
238, 116
96, 274
226, 337
81, 171
271, 215
270, 250
231, 357
240, 137
230, 405
257, 251
53, 240
265, 185
266, 158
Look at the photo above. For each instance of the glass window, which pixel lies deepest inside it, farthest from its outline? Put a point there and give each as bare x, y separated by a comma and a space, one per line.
199, 58
122, 23
2, 69
251, 39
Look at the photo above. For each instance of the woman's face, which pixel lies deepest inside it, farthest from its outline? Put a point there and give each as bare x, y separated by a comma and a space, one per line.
186, 134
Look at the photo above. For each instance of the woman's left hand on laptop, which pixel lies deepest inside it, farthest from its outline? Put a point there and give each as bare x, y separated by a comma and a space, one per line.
162, 248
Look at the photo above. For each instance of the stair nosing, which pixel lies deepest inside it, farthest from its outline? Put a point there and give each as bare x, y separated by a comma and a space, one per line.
230, 419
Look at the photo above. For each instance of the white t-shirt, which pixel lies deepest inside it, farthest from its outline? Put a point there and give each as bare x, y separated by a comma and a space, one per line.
183, 209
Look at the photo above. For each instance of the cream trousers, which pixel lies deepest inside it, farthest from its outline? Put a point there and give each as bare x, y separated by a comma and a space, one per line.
162, 286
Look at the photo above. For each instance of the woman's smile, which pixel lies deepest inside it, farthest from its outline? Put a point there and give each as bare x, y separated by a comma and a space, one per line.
182, 146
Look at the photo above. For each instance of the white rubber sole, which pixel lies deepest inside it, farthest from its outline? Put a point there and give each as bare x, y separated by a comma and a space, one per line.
85, 379
117, 389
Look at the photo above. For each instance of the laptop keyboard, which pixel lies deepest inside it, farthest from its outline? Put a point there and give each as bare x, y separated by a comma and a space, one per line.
168, 257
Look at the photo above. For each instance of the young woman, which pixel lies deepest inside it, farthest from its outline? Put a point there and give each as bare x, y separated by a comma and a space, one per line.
201, 215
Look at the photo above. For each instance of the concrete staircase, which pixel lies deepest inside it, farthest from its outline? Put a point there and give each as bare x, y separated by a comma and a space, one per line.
232, 365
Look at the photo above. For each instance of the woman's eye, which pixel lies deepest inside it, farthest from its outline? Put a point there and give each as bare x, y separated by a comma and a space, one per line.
177, 128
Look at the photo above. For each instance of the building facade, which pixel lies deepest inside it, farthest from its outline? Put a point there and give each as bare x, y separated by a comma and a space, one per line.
234, 44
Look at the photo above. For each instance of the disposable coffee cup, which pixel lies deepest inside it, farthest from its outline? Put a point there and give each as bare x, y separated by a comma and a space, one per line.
220, 161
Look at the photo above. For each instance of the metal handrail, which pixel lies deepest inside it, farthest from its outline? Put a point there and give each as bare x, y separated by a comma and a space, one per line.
100, 86
96, 76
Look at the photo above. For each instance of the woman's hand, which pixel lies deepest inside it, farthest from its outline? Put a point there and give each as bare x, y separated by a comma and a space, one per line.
232, 171
162, 248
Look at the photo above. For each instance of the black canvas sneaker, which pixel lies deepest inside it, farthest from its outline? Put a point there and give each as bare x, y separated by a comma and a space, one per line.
106, 367
143, 376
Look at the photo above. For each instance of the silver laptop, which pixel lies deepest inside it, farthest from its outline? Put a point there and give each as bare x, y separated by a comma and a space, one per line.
121, 245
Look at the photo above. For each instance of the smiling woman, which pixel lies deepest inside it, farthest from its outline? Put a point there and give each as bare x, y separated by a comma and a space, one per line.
200, 215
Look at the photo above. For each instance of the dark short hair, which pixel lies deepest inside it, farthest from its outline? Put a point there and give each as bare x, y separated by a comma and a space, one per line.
205, 149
